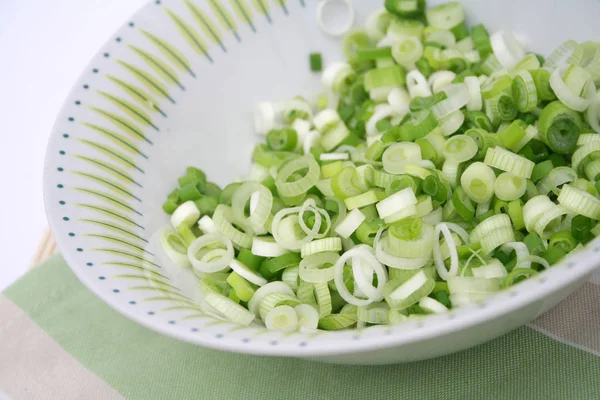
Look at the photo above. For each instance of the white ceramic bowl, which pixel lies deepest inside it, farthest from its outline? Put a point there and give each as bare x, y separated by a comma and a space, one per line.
174, 87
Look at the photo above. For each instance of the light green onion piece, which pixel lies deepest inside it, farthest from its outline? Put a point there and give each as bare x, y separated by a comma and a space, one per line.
542, 216
350, 223
579, 202
266, 246
524, 91
374, 313
260, 211
496, 238
397, 156
266, 290
318, 268
185, 215
386, 77
464, 284
509, 187
362, 200
228, 308
556, 178
243, 289
274, 300
407, 51
493, 269
282, 318
432, 306
337, 76
290, 277
308, 317
508, 161
224, 219
488, 225
174, 247
323, 298
207, 242
304, 183
446, 15
478, 182
460, 148
396, 202
331, 244
403, 292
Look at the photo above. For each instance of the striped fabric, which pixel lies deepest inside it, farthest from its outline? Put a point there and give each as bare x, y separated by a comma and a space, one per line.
58, 341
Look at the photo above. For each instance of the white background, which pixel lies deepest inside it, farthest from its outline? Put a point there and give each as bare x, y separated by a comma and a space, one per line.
44, 45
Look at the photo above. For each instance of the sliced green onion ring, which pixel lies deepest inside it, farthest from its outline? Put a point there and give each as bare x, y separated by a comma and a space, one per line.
367, 259
309, 270
579, 202
246, 273
215, 265
509, 187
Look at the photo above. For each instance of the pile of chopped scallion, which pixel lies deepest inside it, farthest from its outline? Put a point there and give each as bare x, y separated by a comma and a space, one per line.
441, 165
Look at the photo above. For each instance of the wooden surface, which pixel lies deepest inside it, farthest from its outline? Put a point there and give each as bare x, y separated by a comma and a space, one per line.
46, 248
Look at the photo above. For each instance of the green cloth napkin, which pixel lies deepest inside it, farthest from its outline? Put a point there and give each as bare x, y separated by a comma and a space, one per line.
59, 341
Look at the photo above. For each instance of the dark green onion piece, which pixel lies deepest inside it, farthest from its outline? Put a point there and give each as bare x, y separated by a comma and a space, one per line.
558, 160
462, 203
528, 118
227, 193
541, 170
460, 77
560, 127
423, 67
534, 244
207, 205
460, 31
212, 189
554, 254
535, 151
419, 125
581, 227
316, 62
189, 192
443, 297
477, 119
273, 267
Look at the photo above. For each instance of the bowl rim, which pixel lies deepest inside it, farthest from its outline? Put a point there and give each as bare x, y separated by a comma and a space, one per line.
561, 275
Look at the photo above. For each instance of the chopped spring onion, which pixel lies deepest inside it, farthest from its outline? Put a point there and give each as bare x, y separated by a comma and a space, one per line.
579, 202
200, 246
282, 318
478, 181
432, 306
509, 187
174, 247
438, 166
508, 161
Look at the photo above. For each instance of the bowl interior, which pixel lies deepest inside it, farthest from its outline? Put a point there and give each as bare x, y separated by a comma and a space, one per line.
176, 86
